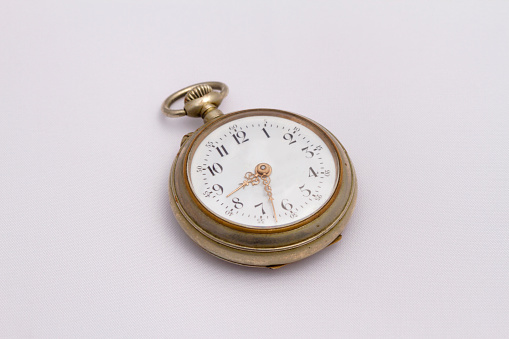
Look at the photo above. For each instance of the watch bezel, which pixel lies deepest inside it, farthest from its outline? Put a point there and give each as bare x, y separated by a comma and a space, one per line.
320, 131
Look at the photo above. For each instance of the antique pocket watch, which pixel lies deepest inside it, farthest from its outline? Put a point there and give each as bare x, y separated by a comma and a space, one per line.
259, 187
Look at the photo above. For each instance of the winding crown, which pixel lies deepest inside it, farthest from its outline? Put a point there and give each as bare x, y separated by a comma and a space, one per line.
197, 92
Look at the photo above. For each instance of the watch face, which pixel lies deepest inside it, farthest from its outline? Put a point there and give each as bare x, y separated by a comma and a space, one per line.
264, 171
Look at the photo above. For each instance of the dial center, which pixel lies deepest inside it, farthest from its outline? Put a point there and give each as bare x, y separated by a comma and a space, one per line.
263, 169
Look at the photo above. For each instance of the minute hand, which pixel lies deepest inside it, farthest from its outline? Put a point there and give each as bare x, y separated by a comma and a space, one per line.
268, 189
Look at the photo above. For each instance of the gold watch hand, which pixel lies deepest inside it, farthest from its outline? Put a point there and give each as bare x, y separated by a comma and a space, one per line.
244, 184
262, 171
272, 202
268, 189
251, 178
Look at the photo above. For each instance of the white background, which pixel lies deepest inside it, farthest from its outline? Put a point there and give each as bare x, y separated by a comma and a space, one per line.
417, 91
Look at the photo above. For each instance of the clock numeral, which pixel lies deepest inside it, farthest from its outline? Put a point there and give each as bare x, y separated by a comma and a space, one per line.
312, 172
229, 212
296, 129
264, 131
261, 204
318, 148
309, 154
218, 189
305, 192
222, 151
289, 137
286, 206
237, 204
326, 173
215, 168
240, 137
317, 196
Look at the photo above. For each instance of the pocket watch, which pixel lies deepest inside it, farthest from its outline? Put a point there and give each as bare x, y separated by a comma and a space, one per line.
259, 187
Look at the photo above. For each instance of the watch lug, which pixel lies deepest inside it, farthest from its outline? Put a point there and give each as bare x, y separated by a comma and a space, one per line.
184, 138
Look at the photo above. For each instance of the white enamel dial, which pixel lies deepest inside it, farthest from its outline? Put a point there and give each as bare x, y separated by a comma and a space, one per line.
302, 180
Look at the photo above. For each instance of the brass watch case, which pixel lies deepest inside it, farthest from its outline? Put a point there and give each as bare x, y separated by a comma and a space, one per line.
271, 247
